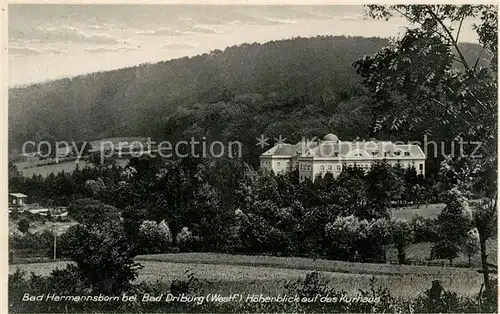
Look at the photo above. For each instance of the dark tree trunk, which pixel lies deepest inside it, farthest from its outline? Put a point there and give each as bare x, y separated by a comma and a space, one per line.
451, 262
401, 255
174, 230
482, 244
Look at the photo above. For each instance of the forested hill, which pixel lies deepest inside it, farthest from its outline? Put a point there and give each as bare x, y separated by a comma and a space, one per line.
297, 87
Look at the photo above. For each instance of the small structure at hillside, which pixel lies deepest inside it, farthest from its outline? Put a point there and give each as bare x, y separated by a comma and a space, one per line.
17, 199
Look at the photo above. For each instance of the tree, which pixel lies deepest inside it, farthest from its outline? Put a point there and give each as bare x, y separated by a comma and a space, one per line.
378, 236
446, 249
23, 225
210, 219
88, 211
103, 255
454, 222
485, 220
413, 81
171, 195
403, 236
425, 84
154, 237
326, 188
101, 159
384, 186
412, 191
471, 245
352, 190
345, 234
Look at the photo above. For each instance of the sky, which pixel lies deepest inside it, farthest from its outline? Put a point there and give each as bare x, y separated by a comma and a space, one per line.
52, 41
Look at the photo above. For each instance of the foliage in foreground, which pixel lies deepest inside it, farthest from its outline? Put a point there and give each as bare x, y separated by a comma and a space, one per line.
311, 294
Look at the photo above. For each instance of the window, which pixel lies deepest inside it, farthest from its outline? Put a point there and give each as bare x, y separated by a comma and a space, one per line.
407, 153
322, 168
397, 153
278, 163
421, 167
339, 167
386, 154
329, 167
375, 153
308, 167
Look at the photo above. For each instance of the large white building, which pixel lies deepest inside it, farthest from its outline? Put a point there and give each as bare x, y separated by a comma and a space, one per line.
331, 155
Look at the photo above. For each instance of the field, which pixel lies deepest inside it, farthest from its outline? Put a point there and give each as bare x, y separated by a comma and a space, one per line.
421, 252
225, 274
28, 169
233, 274
427, 211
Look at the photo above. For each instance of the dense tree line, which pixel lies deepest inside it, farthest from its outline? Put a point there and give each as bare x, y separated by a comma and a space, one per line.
227, 207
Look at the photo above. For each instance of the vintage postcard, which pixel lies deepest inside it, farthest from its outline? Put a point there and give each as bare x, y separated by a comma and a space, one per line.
247, 157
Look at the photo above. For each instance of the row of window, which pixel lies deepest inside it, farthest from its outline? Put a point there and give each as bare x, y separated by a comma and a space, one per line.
375, 153
364, 166
279, 164
305, 167
399, 153
330, 168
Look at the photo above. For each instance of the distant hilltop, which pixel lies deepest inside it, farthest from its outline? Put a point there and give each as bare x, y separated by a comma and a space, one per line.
237, 94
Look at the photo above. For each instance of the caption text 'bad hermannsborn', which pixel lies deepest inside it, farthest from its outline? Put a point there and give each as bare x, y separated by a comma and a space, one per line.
252, 298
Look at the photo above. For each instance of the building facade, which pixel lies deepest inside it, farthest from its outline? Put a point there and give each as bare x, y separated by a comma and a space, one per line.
313, 159
17, 199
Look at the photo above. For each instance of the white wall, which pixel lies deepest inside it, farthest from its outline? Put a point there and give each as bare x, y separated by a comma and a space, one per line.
281, 165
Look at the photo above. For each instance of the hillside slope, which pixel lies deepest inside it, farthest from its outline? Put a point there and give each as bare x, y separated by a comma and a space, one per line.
297, 87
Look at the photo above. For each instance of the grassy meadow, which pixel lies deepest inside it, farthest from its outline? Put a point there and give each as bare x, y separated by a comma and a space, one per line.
225, 274
28, 169
220, 273
426, 211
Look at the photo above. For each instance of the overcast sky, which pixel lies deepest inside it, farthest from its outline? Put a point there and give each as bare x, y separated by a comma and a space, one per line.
53, 41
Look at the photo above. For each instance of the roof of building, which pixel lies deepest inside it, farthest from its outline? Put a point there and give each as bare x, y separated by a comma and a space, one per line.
363, 149
332, 147
19, 195
284, 149
331, 137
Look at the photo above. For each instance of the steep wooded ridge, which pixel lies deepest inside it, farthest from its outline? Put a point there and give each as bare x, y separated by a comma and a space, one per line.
296, 87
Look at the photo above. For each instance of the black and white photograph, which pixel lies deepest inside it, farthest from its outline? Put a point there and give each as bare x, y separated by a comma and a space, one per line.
250, 157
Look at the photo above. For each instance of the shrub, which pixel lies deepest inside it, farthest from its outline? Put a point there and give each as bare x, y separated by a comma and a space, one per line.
190, 285
186, 242
23, 225
90, 211
402, 237
154, 237
354, 239
32, 244
103, 255
425, 229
